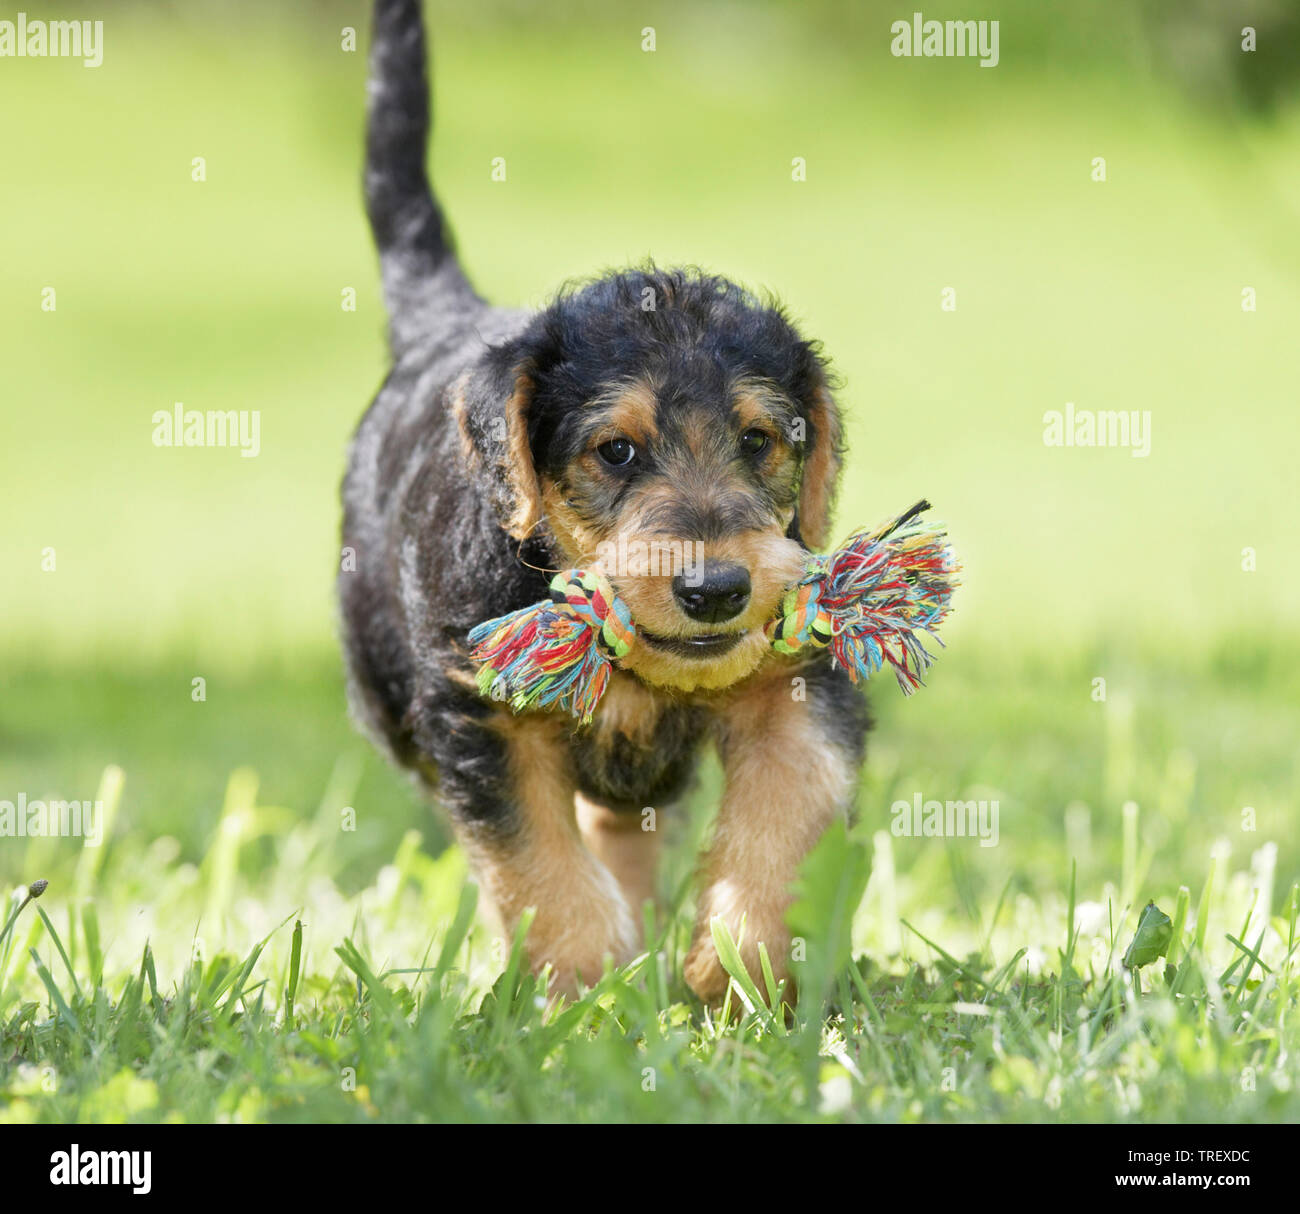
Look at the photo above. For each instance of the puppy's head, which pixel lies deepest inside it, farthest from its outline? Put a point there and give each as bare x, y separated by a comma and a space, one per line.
675, 432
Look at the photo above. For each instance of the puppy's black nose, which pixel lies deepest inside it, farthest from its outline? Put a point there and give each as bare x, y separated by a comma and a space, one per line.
722, 593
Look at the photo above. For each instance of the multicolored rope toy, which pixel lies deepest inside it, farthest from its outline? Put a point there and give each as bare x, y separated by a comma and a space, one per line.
870, 602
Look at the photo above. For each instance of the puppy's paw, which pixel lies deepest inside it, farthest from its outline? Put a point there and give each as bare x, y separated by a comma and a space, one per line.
704, 973
577, 946
764, 923
575, 971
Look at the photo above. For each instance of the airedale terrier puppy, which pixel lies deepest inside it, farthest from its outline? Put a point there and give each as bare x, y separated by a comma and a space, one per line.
667, 409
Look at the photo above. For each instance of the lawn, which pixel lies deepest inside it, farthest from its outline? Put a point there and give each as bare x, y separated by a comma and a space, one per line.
1121, 676
163, 985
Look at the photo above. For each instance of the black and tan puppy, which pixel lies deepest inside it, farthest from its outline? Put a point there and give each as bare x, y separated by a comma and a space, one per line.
669, 411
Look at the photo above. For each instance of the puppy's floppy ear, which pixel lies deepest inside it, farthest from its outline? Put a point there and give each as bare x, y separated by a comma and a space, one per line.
823, 448
491, 402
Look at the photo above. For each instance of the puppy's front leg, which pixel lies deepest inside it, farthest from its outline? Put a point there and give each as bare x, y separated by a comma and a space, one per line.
582, 914
790, 752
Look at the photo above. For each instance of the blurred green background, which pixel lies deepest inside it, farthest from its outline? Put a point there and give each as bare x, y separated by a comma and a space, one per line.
922, 174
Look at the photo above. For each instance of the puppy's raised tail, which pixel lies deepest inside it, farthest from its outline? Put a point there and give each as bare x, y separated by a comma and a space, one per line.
423, 283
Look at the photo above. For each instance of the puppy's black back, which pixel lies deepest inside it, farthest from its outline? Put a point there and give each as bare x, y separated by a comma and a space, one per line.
423, 554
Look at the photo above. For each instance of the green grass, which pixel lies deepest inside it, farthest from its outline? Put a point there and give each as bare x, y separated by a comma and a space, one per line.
154, 979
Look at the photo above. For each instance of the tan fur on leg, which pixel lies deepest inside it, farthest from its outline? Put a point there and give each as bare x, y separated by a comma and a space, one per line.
582, 914
784, 787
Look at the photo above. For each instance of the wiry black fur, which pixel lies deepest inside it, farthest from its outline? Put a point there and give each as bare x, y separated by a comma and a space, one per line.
425, 523
702, 336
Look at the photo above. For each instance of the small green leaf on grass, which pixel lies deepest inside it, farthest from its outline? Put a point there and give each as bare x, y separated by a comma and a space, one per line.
1154, 933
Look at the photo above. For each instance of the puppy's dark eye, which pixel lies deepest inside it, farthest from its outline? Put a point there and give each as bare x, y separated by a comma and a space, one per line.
617, 453
753, 442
